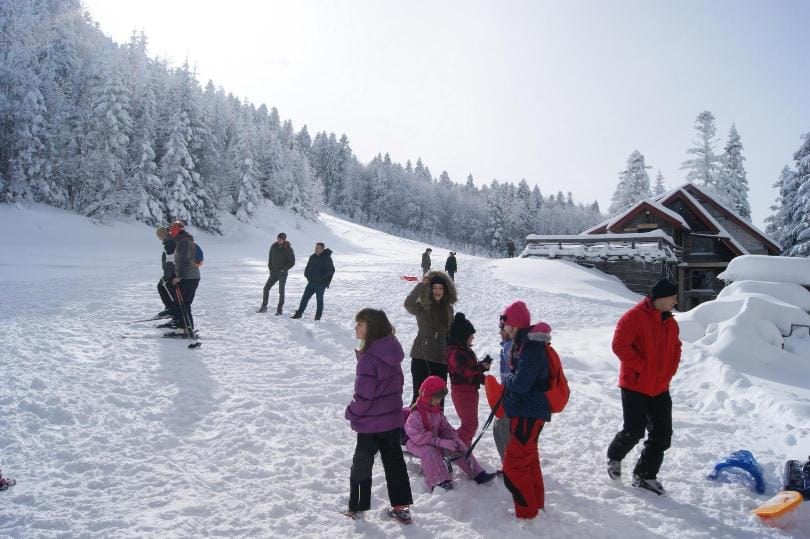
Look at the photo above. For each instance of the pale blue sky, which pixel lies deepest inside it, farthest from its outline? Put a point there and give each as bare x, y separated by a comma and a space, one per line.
557, 92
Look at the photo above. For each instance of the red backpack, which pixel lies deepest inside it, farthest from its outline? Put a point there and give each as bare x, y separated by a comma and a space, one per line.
558, 391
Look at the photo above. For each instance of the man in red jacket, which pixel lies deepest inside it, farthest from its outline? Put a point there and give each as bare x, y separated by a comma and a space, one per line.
649, 350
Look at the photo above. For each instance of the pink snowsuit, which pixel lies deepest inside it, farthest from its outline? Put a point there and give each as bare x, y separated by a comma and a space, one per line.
422, 443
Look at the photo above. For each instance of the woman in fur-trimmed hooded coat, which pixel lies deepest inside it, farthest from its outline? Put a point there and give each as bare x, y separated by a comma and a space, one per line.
431, 302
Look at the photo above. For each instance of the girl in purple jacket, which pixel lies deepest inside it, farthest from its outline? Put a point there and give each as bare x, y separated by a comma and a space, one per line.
375, 413
430, 437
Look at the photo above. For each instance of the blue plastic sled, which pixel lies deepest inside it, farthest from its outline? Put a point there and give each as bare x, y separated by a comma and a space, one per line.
744, 460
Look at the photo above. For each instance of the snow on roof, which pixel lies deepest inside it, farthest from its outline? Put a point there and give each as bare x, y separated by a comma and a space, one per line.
778, 269
638, 236
663, 209
722, 232
731, 211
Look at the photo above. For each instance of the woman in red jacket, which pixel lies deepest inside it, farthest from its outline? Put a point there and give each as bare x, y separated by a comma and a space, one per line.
649, 350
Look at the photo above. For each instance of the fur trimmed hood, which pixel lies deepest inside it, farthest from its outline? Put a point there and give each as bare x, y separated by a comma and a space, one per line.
449, 290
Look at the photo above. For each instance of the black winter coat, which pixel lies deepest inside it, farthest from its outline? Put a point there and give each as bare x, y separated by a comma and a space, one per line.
450, 266
320, 268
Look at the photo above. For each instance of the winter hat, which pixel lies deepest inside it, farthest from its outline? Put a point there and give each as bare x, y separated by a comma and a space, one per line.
542, 331
663, 289
281, 235
161, 233
461, 329
431, 386
175, 228
517, 315
429, 250
438, 279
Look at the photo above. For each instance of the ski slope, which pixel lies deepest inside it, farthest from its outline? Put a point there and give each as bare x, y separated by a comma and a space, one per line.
112, 437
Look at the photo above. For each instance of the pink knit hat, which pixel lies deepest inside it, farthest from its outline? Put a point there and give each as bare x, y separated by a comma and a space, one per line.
431, 386
517, 315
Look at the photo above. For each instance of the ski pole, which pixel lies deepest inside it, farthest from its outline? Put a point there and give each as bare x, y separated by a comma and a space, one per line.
182, 303
486, 425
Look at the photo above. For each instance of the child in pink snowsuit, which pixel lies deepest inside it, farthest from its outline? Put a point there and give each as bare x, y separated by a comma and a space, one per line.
466, 375
430, 437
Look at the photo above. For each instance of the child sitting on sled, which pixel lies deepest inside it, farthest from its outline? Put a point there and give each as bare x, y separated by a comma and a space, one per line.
431, 438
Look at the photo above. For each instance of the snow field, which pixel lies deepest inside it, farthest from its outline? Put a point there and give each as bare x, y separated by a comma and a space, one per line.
245, 436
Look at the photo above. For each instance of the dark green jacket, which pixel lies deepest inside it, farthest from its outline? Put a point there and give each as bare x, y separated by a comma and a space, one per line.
281, 257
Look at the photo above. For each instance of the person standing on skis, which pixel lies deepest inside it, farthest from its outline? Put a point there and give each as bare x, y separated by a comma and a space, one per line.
187, 274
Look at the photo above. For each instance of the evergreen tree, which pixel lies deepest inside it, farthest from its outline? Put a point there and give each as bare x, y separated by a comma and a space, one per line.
732, 184
496, 221
659, 188
705, 166
634, 184
776, 223
797, 210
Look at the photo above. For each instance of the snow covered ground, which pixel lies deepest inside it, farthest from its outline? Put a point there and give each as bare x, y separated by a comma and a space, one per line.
245, 436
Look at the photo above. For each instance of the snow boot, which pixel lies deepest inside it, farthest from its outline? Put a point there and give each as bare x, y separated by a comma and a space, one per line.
262, 309
485, 477
400, 513
444, 486
650, 484
614, 469
296, 315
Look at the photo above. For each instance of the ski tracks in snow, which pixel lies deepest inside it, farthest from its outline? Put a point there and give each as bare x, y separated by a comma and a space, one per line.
246, 436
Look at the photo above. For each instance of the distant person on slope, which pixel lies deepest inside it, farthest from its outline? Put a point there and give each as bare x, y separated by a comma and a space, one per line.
525, 403
375, 413
450, 265
279, 261
466, 375
510, 248
648, 346
431, 302
426, 260
164, 287
431, 438
187, 273
319, 272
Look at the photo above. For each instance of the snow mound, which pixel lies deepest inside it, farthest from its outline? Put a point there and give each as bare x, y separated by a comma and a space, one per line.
762, 333
791, 293
564, 278
768, 268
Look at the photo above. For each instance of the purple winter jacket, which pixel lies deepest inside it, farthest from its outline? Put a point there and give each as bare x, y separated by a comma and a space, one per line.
377, 402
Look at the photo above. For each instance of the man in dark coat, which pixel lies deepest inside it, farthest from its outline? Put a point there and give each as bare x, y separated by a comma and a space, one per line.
279, 262
510, 248
426, 260
450, 266
648, 346
319, 272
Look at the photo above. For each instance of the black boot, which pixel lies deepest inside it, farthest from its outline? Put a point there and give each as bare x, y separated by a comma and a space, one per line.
296, 315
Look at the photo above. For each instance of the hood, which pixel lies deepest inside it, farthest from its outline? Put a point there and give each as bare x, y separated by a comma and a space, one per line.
449, 288
541, 331
386, 349
326, 252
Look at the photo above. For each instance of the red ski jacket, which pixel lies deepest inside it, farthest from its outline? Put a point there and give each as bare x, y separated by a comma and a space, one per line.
463, 367
648, 348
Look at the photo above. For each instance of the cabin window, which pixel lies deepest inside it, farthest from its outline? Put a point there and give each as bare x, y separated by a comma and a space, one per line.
701, 245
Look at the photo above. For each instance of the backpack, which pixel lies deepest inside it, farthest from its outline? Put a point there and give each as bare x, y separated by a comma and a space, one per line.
198, 257
558, 391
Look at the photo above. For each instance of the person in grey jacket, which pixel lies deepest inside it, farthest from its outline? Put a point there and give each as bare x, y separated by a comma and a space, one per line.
426, 260
279, 261
431, 302
186, 273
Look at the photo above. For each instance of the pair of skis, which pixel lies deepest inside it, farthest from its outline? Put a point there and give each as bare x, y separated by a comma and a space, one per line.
193, 336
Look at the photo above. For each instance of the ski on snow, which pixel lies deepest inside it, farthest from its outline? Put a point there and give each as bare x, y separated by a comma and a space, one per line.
169, 335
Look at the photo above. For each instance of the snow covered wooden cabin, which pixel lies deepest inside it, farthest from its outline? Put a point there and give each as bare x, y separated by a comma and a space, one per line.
686, 235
